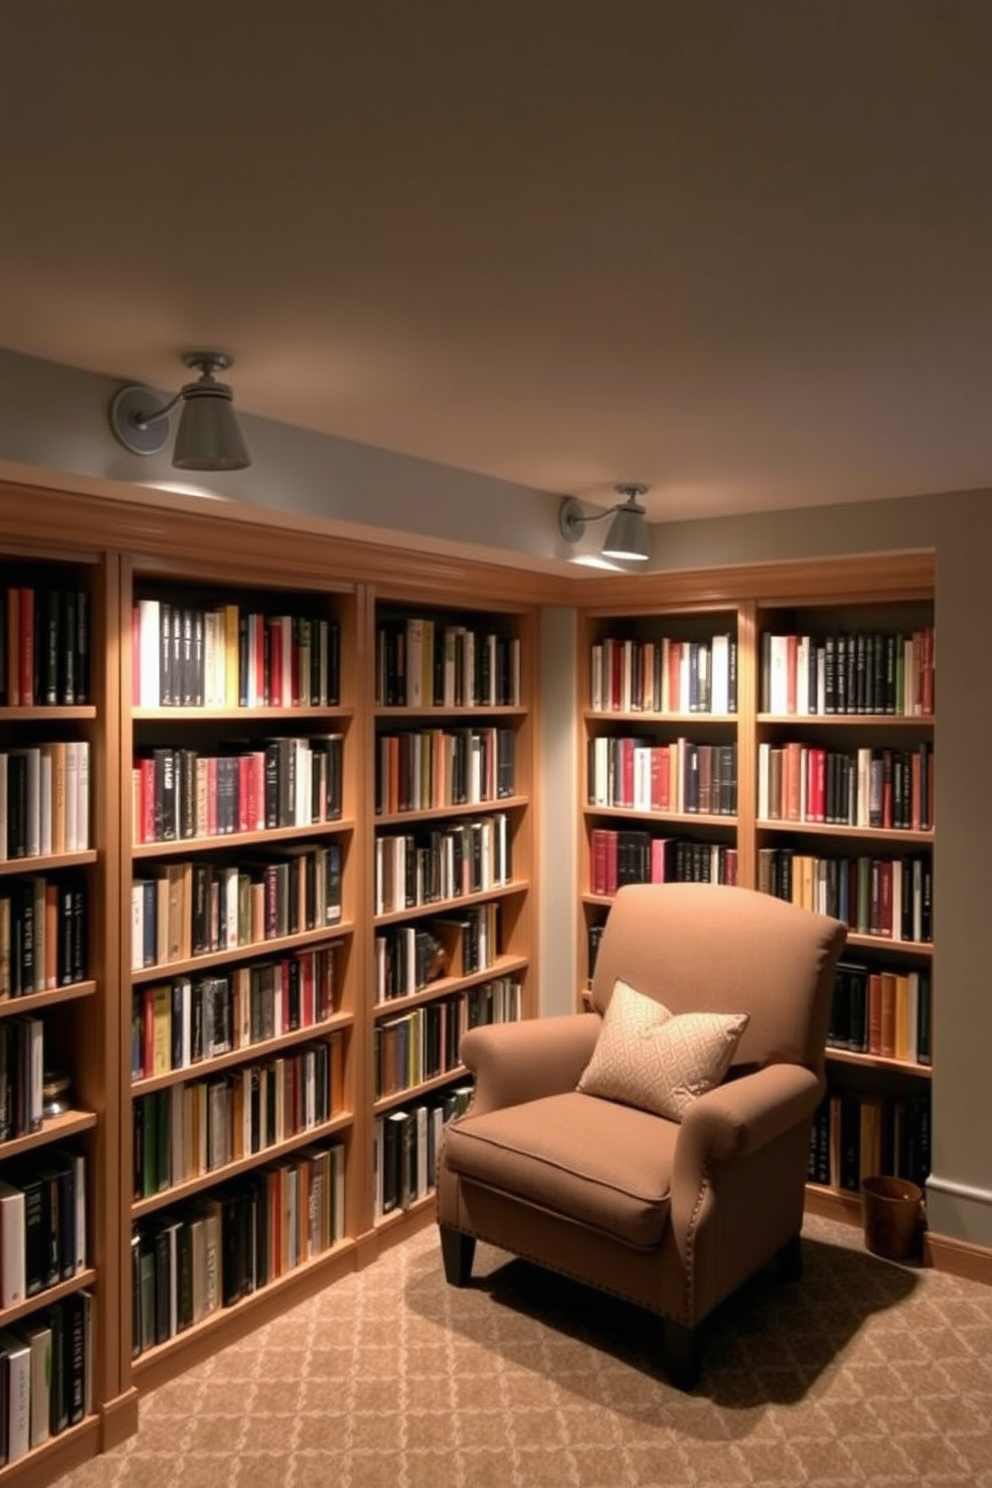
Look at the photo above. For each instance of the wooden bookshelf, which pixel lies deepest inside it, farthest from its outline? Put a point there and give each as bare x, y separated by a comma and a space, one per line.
625, 694
451, 862
245, 780
58, 962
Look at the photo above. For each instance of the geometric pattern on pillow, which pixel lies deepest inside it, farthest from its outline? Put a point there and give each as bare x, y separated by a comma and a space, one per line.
648, 1057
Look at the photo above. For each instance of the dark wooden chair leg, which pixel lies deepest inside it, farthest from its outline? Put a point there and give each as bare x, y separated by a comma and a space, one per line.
457, 1253
683, 1354
790, 1259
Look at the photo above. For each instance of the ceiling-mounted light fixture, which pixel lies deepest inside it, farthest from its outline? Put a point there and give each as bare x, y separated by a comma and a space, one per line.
628, 534
208, 437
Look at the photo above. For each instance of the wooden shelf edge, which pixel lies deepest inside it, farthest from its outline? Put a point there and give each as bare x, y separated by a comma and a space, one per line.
449, 906
190, 1187
84, 1278
53, 1129
163, 971
228, 1324
71, 1448
179, 846
27, 1002
246, 1054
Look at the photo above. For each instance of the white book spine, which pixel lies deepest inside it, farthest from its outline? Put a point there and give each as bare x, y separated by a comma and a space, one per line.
12, 1281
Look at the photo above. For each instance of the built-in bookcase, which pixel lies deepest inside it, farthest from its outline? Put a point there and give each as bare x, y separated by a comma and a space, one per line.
845, 823
244, 768
451, 868
58, 1087
807, 694
660, 754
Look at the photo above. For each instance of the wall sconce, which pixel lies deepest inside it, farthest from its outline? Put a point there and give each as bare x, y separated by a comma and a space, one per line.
628, 534
208, 436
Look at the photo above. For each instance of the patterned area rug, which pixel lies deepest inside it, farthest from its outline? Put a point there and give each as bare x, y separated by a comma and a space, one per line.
866, 1373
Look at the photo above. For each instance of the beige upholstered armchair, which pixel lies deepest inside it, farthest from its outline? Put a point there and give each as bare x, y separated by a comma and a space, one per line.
564, 1157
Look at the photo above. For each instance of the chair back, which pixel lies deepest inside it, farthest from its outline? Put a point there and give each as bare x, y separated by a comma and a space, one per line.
712, 948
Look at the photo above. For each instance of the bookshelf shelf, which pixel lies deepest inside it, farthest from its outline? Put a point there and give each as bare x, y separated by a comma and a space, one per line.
53, 1129
235, 840
502, 966
259, 714
865, 834
265, 1155
438, 813
47, 862
447, 906
85, 1278
403, 1097
49, 713
880, 1062
29, 1002
244, 1054
255, 948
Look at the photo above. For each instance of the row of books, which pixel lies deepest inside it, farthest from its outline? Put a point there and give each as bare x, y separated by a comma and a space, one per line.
425, 769
44, 647
876, 671
222, 656
22, 1066
406, 1147
467, 857
681, 776
45, 799
665, 675
194, 908
409, 957
632, 855
424, 1043
181, 1023
422, 662
43, 933
187, 1130
213, 1251
180, 793
881, 1011
46, 1375
890, 789
42, 1225
855, 1136
884, 896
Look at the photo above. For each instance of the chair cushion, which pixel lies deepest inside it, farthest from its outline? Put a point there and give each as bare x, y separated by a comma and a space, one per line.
603, 1164
661, 1062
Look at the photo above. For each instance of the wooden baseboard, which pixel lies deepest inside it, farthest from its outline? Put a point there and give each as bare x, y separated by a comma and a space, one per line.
119, 1419
397, 1226
973, 1262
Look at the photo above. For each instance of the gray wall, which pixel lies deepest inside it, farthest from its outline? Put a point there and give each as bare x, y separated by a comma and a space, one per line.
55, 419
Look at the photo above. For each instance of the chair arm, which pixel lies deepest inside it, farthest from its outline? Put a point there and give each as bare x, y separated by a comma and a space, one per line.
516, 1062
740, 1117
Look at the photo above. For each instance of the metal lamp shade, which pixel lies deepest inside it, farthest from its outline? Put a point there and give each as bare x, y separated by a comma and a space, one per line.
208, 437
628, 535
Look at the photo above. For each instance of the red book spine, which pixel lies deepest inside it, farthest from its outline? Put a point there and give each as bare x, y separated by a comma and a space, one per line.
246, 822
146, 826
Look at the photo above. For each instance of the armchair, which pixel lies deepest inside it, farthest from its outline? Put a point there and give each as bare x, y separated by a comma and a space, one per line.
671, 1214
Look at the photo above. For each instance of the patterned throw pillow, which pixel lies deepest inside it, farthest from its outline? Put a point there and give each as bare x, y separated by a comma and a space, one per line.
660, 1061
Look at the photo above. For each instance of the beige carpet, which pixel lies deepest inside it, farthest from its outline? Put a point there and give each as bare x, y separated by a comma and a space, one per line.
866, 1373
